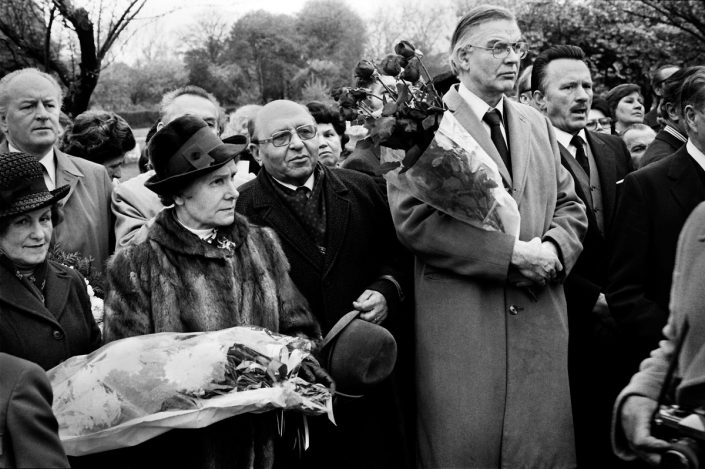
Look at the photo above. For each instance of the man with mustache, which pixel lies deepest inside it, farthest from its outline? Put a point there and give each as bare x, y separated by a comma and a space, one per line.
30, 105
490, 322
562, 89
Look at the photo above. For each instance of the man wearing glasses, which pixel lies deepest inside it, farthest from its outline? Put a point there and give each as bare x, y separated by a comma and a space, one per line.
336, 231
491, 357
562, 88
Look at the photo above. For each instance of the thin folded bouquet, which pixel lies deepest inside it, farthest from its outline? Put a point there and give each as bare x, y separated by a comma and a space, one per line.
135, 389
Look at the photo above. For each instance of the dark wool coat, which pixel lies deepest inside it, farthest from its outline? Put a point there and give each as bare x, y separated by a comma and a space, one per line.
48, 332
175, 282
28, 429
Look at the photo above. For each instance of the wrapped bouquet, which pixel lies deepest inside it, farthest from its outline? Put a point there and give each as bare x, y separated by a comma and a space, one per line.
137, 388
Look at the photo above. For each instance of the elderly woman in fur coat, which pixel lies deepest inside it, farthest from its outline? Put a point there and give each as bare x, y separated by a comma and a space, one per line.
202, 267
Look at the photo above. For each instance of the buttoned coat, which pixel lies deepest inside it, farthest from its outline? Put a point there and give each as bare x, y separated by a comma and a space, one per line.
654, 204
88, 221
492, 370
28, 429
52, 331
593, 337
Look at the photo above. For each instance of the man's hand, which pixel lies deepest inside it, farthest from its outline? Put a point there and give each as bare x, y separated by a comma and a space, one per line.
536, 261
372, 305
636, 416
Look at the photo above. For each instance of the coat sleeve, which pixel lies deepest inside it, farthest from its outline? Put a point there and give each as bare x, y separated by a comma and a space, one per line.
128, 308
638, 317
569, 222
130, 222
32, 427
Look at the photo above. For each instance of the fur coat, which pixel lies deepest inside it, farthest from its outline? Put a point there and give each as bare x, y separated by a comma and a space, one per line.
175, 282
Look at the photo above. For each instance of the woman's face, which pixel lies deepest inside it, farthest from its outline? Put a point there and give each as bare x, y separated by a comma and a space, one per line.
329, 145
209, 201
27, 236
114, 166
630, 109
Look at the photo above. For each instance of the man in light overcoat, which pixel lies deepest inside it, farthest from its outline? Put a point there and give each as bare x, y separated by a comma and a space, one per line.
491, 321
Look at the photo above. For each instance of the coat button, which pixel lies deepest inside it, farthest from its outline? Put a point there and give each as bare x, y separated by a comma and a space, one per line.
58, 335
514, 309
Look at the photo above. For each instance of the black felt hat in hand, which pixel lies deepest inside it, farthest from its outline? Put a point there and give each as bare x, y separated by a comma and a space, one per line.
185, 149
22, 186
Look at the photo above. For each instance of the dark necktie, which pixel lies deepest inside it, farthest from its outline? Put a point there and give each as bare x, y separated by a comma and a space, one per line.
580, 155
302, 194
494, 119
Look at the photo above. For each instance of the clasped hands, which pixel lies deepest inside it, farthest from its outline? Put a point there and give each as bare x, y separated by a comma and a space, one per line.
536, 261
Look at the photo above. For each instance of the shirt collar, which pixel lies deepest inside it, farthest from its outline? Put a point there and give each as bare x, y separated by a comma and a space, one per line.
308, 184
206, 234
696, 154
477, 105
47, 161
564, 138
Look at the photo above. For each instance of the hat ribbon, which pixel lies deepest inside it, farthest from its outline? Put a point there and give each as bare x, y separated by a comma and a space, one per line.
23, 188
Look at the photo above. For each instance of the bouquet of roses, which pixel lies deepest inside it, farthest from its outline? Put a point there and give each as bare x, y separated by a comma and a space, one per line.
425, 151
136, 388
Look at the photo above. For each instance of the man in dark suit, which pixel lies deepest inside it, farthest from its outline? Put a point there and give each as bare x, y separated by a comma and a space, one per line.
562, 88
336, 230
672, 136
28, 429
655, 202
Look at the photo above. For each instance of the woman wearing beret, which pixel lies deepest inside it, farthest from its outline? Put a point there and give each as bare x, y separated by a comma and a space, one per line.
45, 310
202, 267
626, 106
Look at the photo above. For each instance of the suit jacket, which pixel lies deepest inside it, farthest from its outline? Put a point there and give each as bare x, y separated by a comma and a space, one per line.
488, 356
361, 245
654, 204
48, 332
686, 306
589, 276
28, 429
88, 222
664, 144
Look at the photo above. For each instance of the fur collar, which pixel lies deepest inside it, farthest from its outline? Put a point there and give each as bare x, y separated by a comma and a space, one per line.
167, 232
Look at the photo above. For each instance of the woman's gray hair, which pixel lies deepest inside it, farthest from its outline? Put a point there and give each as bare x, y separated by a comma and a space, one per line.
7, 80
476, 16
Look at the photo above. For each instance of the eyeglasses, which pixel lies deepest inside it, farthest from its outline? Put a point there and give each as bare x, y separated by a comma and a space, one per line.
501, 49
602, 122
283, 138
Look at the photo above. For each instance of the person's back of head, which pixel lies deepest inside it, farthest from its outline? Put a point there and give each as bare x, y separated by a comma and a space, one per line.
98, 136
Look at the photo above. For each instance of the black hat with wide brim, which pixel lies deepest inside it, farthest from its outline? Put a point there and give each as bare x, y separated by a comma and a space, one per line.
22, 186
185, 149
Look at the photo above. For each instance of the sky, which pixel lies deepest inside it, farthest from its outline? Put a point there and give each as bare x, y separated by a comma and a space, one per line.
166, 20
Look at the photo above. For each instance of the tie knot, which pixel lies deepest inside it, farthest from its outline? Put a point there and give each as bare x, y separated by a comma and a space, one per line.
493, 117
577, 141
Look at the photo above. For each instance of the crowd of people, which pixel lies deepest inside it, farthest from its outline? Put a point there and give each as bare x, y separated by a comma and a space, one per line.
514, 350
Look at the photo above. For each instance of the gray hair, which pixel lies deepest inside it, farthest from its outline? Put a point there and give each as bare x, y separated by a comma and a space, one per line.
476, 16
7, 80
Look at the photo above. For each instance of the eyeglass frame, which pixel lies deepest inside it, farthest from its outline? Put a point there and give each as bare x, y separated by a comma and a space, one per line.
289, 132
603, 122
512, 46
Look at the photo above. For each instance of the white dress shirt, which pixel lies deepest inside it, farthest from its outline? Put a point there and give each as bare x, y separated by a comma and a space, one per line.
480, 108
696, 154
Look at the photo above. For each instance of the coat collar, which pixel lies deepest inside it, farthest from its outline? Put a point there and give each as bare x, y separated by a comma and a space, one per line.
57, 290
167, 232
275, 214
686, 186
67, 173
518, 136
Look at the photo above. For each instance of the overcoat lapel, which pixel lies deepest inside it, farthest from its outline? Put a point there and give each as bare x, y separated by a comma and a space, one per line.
66, 173
12, 292
607, 172
270, 208
337, 214
685, 182
461, 110
57, 291
519, 137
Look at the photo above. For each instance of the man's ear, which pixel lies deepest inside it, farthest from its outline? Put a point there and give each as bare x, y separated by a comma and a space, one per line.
3, 123
254, 151
689, 118
160, 126
540, 100
671, 112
